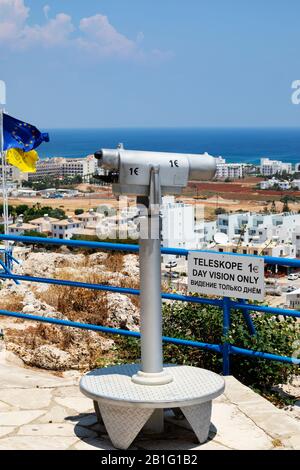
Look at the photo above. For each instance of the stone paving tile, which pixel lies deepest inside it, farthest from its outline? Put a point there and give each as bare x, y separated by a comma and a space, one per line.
79, 404
4, 430
55, 429
71, 391
17, 377
93, 444
292, 441
87, 420
237, 431
4, 406
17, 418
178, 445
272, 420
55, 414
212, 445
27, 399
38, 443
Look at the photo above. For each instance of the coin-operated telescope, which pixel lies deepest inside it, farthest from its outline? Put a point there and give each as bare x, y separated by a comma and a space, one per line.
130, 170
148, 175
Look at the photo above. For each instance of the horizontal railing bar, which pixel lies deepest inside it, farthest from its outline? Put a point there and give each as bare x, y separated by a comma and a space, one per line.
265, 309
197, 344
105, 287
64, 282
72, 243
263, 355
167, 296
135, 248
108, 330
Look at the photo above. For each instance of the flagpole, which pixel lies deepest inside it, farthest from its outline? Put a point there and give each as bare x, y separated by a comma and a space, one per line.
3, 162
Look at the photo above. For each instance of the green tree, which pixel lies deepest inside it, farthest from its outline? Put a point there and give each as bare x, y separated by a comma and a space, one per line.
79, 211
220, 210
285, 201
273, 207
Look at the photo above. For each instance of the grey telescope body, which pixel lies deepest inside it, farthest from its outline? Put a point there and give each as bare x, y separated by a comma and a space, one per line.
131, 169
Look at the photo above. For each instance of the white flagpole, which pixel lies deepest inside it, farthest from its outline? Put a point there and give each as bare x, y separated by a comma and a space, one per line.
3, 161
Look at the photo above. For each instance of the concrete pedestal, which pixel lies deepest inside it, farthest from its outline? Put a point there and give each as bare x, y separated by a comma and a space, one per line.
126, 407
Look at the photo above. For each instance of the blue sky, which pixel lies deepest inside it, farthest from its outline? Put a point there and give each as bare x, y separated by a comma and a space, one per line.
151, 63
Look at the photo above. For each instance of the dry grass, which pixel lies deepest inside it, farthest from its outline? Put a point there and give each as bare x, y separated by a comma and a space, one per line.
14, 303
63, 338
78, 304
114, 262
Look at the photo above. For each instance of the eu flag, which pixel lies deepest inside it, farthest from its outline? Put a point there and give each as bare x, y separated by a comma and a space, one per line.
20, 135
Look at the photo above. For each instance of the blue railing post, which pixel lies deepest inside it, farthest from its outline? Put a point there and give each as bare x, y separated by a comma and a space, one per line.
248, 319
226, 329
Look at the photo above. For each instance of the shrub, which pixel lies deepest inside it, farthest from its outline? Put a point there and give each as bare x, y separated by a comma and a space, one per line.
204, 323
78, 211
220, 210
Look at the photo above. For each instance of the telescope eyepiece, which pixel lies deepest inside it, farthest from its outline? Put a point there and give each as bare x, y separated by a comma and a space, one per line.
99, 154
108, 159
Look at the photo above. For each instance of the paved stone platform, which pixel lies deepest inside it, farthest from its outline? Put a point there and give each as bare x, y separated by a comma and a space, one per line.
40, 410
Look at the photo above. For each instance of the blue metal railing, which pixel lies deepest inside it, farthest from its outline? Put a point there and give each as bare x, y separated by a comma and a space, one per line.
226, 304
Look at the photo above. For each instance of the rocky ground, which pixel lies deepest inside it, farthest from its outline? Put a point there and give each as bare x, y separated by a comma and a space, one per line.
61, 348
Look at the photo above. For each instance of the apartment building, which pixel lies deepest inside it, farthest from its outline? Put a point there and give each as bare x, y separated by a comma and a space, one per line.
273, 182
64, 167
43, 224
293, 299
20, 227
65, 228
13, 174
272, 167
273, 248
229, 170
82, 166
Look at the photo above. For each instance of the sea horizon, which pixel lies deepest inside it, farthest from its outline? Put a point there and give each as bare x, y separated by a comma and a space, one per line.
236, 144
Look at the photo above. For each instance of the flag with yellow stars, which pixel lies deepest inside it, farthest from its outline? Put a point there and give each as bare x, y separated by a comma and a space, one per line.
20, 140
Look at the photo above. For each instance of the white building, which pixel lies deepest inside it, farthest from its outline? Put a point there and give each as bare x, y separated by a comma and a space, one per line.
20, 227
293, 299
79, 166
296, 184
271, 183
24, 193
64, 167
65, 228
272, 167
296, 240
228, 170
89, 218
13, 174
210, 229
43, 224
249, 227
270, 248
179, 227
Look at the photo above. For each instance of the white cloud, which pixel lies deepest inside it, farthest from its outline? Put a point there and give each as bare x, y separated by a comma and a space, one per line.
96, 36
55, 32
101, 38
13, 15
46, 10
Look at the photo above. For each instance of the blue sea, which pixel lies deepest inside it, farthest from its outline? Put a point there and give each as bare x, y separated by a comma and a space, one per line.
236, 145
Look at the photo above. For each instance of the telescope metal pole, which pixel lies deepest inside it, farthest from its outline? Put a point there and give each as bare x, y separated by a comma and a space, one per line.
152, 372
